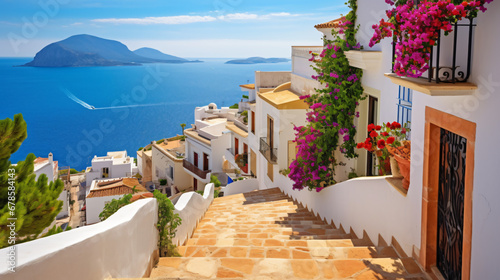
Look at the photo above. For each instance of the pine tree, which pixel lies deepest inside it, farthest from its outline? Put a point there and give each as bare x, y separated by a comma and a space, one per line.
36, 201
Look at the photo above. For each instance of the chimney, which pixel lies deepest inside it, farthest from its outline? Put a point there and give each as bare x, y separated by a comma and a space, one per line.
51, 158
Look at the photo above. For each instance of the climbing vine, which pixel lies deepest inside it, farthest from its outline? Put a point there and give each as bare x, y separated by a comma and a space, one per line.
330, 120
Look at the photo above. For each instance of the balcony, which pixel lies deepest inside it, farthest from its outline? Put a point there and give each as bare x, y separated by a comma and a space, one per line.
195, 170
271, 154
450, 64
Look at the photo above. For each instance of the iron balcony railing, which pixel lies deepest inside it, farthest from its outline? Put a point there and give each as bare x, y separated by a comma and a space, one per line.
271, 154
197, 171
461, 48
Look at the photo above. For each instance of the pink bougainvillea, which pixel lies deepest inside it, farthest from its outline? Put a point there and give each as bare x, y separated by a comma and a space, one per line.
416, 28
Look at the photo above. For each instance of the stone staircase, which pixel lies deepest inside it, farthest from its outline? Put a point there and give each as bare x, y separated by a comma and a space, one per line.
265, 235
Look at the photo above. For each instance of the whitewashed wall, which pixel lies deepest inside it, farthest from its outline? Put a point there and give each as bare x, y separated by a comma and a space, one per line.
120, 247
95, 205
242, 186
191, 207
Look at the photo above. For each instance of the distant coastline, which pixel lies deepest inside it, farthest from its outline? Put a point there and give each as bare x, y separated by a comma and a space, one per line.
91, 51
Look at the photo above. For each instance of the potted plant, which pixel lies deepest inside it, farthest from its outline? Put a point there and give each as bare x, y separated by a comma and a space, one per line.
242, 161
380, 139
402, 155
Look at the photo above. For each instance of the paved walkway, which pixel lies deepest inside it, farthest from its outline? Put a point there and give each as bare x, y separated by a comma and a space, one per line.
265, 235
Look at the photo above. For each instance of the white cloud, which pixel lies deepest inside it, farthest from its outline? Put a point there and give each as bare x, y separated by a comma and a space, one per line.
192, 18
157, 20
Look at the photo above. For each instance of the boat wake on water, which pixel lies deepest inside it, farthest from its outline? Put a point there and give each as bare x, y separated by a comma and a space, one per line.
90, 107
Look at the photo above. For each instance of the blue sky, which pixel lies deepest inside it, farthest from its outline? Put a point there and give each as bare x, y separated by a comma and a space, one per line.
208, 28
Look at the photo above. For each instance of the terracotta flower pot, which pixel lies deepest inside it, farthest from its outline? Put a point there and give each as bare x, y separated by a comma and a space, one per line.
395, 168
385, 166
404, 168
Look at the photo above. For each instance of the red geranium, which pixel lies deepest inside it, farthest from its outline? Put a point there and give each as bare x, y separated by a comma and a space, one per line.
378, 127
391, 140
381, 143
384, 134
368, 146
360, 145
373, 134
395, 125
371, 127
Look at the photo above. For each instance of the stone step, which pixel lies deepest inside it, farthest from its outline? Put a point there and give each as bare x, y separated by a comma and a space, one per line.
285, 234
276, 240
311, 250
272, 228
276, 268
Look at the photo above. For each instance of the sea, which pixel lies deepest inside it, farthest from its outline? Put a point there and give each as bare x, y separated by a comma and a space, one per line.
77, 113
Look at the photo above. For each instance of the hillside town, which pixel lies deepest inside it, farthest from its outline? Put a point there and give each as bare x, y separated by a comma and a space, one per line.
260, 197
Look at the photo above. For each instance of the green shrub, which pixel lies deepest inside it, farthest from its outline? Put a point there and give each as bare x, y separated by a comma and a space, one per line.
140, 148
235, 106
245, 96
215, 181
111, 207
167, 225
163, 182
160, 141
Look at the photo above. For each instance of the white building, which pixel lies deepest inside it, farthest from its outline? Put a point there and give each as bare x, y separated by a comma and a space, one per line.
50, 168
207, 142
167, 164
113, 165
103, 191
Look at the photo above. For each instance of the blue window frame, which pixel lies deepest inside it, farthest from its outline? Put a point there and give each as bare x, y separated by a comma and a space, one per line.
405, 97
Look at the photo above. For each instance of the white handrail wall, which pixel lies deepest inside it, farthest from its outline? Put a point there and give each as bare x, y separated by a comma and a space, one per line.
191, 207
243, 186
120, 247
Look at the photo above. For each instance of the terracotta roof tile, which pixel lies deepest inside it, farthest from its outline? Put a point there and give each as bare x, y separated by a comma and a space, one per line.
116, 187
331, 24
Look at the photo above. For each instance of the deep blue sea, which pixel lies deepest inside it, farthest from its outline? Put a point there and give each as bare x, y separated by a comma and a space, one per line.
133, 104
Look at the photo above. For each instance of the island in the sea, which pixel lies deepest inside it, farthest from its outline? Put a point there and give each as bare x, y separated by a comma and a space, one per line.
255, 60
86, 50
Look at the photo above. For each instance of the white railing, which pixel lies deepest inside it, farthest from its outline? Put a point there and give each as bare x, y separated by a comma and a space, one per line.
123, 246
191, 207
242, 186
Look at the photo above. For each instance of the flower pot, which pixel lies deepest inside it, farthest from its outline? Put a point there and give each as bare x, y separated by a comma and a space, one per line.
404, 168
395, 168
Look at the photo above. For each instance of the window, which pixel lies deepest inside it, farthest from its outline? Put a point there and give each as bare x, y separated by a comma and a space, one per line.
253, 122
171, 172
270, 170
205, 162
245, 148
236, 146
270, 132
405, 97
292, 152
105, 172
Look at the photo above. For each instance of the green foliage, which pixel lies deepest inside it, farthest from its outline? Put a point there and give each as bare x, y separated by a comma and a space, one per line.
352, 174
160, 141
215, 181
140, 148
245, 116
35, 201
163, 182
333, 110
235, 106
245, 96
285, 171
111, 207
167, 224
55, 230
183, 126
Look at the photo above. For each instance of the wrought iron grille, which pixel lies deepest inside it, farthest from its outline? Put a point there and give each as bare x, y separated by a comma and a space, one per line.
271, 154
405, 97
451, 205
453, 73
